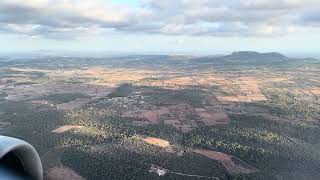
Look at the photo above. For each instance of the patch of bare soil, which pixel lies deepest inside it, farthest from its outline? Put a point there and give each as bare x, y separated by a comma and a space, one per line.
67, 128
256, 98
175, 82
179, 116
63, 173
277, 80
152, 116
245, 89
227, 98
200, 109
243, 98
157, 142
114, 77
315, 91
227, 161
30, 70
40, 102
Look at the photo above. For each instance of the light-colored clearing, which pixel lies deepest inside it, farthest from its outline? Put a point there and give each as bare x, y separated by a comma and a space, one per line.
247, 98
157, 142
227, 98
152, 116
63, 173
244, 99
174, 82
255, 98
64, 129
277, 80
40, 102
200, 109
315, 91
227, 162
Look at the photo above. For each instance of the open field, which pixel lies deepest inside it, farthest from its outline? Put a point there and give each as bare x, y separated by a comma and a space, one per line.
64, 129
157, 142
227, 162
182, 117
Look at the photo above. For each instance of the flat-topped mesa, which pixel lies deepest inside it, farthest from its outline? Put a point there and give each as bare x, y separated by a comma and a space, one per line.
252, 55
240, 57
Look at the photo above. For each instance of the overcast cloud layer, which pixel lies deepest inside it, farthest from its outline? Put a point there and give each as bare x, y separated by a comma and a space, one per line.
60, 19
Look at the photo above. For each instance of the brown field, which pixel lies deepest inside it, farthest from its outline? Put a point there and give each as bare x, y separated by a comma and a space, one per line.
209, 79
312, 91
110, 77
216, 119
212, 118
315, 91
152, 116
244, 99
245, 89
247, 98
227, 162
227, 98
178, 116
174, 83
278, 79
256, 98
64, 129
157, 142
102, 76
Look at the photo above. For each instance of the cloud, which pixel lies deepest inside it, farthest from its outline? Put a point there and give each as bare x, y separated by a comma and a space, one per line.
311, 17
60, 19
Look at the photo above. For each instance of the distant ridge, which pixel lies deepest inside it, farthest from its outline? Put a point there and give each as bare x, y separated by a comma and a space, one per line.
252, 55
246, 57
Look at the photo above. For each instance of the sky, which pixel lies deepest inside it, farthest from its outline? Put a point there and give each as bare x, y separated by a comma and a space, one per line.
161, 26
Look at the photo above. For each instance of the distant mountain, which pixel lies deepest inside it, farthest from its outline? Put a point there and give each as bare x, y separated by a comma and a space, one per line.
255, 56
244, 58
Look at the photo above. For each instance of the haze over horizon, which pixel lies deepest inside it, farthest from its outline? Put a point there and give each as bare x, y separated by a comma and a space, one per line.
164, 27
